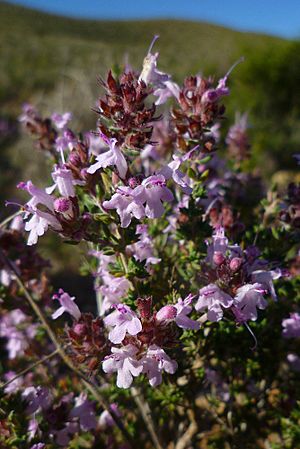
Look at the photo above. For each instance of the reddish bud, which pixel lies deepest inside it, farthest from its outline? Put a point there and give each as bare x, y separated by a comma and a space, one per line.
166, 313
235, 264
218, 258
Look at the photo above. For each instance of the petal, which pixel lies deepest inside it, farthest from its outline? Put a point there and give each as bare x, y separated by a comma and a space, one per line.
117, 335
124, 378
134, 326
109, 365
58, 313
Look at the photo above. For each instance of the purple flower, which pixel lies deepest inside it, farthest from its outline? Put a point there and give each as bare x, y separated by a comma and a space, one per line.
16, 328
219, 244
169, 89
33, 427
213, 299
266, 278
291, 326
249, 297
63, 436
236, 131
114, 157
213, 95
143, 249
64, 181
172, 171
15, 385
84, 411
123, 320
61, 120
127, 204
39, 196
66, 141
123, 361
39, 224
113, 290
294, 361
106, 419
37, 398
155, 362
154, 193
184, 308
38, 446
150, 74
67, 304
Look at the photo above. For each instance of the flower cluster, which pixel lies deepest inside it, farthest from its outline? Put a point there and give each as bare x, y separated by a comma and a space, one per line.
143, 337
182, 253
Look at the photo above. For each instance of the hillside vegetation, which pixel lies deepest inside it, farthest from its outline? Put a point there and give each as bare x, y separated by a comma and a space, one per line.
54, 62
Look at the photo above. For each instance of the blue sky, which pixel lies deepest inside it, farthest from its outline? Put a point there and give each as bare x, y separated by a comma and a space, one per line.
268, 16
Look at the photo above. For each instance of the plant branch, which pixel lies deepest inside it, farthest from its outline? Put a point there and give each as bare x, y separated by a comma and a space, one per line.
30, 368
144, 408
10, 218
186, 438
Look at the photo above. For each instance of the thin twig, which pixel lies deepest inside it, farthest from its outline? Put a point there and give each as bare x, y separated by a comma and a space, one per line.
144, 408
186, 438
10, 218
30, 368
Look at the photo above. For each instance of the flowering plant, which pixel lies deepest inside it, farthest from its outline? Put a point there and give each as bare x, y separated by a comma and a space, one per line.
195, 275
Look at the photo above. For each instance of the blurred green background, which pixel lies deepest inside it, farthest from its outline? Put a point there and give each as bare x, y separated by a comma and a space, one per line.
53, 62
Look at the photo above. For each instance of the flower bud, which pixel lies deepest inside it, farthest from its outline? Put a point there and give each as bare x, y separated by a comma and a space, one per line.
144, 306
218, 258
134, 182
64, 206
235, 264
166, 313
80, 329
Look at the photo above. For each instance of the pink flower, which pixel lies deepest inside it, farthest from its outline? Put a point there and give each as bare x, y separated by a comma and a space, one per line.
150, 74
266, 278
184, 308
84, 411
39, 196
291, 326
172, 171
143, 249
113, 290
37, 398
127, 204
64, 181
67, 305
219, 244
61, 120
17, 329
123, 320
39, 224
213, 299
155, 362
249, 297
66, 141
106, 419
154, 193
114, 157
169, 89
123, 361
